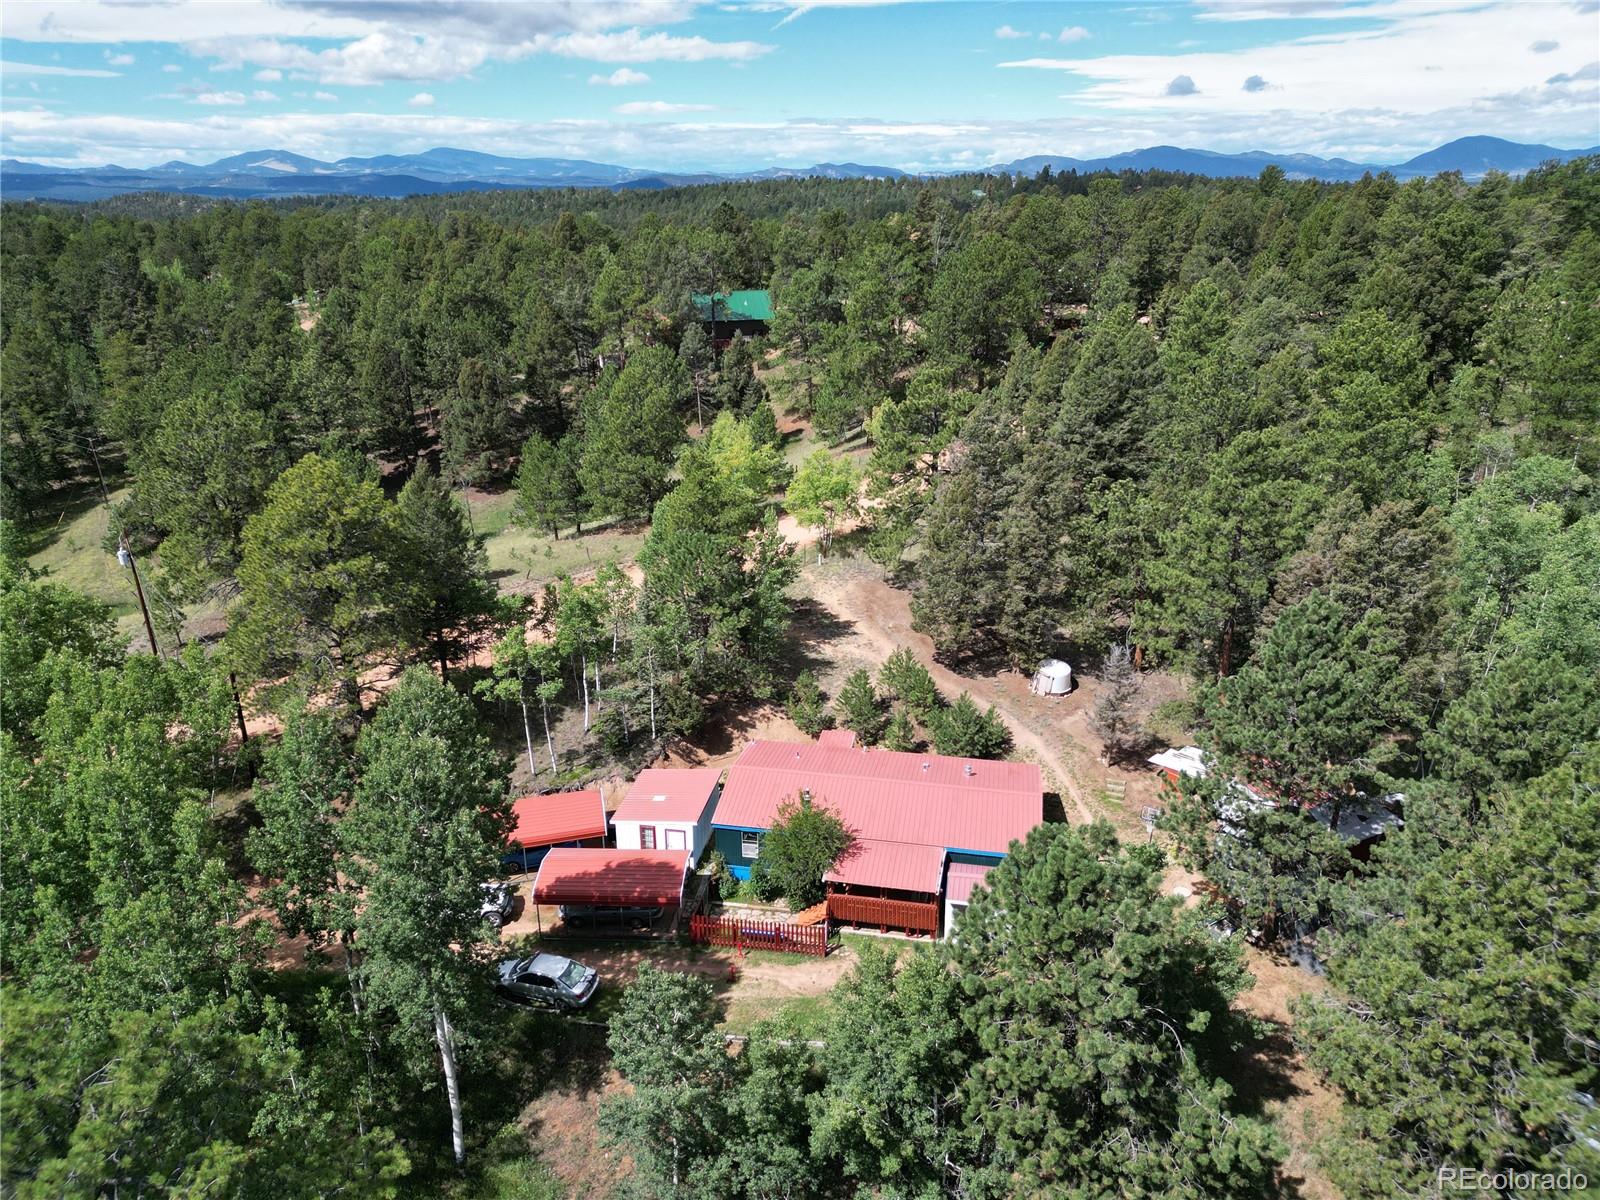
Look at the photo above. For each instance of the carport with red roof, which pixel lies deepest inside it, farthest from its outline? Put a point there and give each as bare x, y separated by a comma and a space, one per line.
562, 819
602, 879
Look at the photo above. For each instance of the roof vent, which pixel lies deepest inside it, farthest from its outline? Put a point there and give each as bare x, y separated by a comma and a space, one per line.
658, 799
967, 770
924, 764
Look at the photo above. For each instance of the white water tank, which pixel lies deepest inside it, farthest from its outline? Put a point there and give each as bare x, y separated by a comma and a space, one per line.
1053, 678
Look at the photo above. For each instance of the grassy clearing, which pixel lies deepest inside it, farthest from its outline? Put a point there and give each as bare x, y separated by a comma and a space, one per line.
808, 1015
518, 553
70, 544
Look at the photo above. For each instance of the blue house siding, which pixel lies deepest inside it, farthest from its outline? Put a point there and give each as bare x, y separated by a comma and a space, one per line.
728, 841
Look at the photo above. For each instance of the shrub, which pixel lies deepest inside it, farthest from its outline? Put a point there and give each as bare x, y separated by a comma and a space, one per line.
804, 841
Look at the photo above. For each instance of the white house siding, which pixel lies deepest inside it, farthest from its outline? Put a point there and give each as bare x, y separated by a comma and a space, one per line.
695, 836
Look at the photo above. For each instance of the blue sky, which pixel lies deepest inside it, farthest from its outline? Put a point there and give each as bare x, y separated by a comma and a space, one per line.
675, 84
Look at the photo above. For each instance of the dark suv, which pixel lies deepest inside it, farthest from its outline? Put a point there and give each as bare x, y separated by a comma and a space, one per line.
585, 916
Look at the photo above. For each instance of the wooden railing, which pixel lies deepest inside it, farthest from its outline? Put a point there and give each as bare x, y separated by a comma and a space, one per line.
759, 935
913, 916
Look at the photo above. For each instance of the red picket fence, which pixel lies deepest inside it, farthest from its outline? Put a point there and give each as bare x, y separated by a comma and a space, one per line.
759, 935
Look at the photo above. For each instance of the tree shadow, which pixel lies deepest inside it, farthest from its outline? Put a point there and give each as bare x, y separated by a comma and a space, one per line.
811, 631
61, 509
1262, 1070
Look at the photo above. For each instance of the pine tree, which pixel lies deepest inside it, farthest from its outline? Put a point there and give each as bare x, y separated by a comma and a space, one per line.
860, 708
1098, 1013
807, 706
448, 603
549, 491
1115, 718
900, 733
966, 731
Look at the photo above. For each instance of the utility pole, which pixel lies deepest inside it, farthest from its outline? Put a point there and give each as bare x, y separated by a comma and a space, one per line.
124, 555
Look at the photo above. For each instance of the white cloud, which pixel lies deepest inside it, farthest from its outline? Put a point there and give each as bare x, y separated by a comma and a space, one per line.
171, 68
22, 68
1181, 85
635, 108
325, 97
268, 75
633, 46
119, 60
387, 55
421, 100
621, 77
1420, 60
1073, 33
1256, 84
220, 99
1007, 33
262, 96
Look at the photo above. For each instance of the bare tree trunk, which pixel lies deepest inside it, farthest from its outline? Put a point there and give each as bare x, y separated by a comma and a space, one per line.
527, 734
597, 681
583, 674
550, 744
652, 693
445, 1035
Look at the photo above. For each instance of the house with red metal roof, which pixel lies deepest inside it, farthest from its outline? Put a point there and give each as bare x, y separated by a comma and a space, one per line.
915, 819
562, 819
668, 810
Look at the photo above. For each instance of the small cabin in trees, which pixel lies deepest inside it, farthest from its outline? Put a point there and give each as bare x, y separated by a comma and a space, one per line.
725, 314
668, 809
927, 827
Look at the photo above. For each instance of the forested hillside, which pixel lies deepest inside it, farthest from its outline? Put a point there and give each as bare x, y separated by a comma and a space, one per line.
1325, 453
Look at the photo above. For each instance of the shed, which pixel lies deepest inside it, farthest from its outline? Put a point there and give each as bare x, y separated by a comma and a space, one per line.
727, 313
1053, 678
668, 809
561, 819
612, 878
1189, 760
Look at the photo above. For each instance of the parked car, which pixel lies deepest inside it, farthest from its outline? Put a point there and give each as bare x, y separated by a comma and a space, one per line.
580, 916
547, 979
496, 904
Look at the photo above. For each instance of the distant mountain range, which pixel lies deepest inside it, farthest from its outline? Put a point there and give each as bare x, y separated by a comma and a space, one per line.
267, 173
1474, 157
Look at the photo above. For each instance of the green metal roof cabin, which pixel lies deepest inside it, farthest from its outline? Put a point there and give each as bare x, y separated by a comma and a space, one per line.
728, 313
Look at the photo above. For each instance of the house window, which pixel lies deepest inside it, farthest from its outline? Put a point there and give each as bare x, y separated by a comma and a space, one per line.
676, 840
647, 837
750, 845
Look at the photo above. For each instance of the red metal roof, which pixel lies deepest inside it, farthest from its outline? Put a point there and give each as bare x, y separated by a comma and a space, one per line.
961, 879
842, 738
615, 877
563, 817
664, 794
899, 865
883, 795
